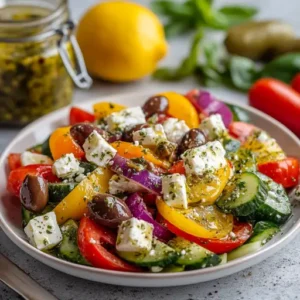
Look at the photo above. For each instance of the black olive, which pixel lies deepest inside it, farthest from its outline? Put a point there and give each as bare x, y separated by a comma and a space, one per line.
34, 193
193, 138
108, 210
127, 134
81, 131
155, 105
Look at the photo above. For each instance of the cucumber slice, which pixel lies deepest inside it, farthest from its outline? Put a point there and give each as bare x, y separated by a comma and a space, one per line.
243, 195
244, 250
173, 269
193, 256
46, 148
238, 113
68, 248
160, 255
243, 160
276, 207
231, 145
224, 258
28, 215
263, 231
58, 191
88, 167
37, 149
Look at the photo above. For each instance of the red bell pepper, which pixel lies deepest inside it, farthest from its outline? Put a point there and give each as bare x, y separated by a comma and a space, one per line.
78, 115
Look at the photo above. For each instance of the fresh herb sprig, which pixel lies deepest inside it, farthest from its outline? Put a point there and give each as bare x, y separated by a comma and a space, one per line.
188, 16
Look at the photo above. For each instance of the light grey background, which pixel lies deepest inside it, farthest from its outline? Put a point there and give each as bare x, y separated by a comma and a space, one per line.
277, 278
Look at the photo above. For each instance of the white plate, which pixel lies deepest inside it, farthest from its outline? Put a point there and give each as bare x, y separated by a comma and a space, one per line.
10, 216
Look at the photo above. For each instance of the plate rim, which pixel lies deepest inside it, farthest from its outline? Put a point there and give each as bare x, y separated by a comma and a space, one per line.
232, 266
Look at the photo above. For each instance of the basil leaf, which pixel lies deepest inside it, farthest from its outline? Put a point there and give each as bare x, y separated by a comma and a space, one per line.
172, 9
283, 68
177, 28
243, 72
211, 17
187, 66
236, 14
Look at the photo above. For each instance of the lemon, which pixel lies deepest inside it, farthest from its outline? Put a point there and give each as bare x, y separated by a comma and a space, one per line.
121, 41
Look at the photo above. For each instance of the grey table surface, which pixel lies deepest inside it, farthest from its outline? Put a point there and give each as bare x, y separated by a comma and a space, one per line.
276, 278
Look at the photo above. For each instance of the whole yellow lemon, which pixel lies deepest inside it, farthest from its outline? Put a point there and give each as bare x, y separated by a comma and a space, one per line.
121, 41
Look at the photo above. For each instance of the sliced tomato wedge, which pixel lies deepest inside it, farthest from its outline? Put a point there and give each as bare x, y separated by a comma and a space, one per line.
284, 172
78, 115
178, 167
14, 161
240, 130
95, 242
241, 233
17, 176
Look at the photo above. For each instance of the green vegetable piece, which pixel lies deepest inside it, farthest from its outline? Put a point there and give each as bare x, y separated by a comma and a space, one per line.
173, 269
243, 250
239, 114
28, 215
160, 255
187, 66
88, 167
243, 72
231, 145
58, 191
283, 68
46, 148
263, 232
68, 248
193, 256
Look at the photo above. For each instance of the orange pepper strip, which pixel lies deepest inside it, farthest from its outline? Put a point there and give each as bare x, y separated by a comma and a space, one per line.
62, 143
130, 151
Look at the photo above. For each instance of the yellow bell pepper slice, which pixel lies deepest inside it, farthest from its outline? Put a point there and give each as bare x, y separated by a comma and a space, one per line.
74, 205
208, 189
181, 108
104, 109
201, 221
265, 148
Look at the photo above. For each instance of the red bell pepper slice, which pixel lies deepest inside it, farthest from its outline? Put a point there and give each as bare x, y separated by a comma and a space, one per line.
95, 242
241, 233
17, 176
14, 161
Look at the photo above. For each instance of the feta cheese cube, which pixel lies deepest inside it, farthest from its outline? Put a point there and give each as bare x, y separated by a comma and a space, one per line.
30, 158
43, 232
174, 190
149, 137
119, 184
213, 127
206, 158
134, 235
66, 167
97, 150
175, 129
126, 118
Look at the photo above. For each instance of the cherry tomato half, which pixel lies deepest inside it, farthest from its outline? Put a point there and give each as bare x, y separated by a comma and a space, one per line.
285, 172
78, 115
240, 130
14, 161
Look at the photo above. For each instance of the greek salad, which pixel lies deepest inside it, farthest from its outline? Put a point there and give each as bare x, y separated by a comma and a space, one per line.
183, 182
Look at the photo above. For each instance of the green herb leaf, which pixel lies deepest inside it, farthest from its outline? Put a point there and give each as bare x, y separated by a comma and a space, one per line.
236, 14
172, 9
283, 68
175, 28
187, 66
243, 72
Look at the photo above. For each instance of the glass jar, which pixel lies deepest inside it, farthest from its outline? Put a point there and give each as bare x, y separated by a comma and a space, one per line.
39, 60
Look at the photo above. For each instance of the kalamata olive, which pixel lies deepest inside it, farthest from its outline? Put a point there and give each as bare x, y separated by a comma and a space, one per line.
81, 131
193, 138
108, 210
34, 193
127, 134
155, 105
165, 150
